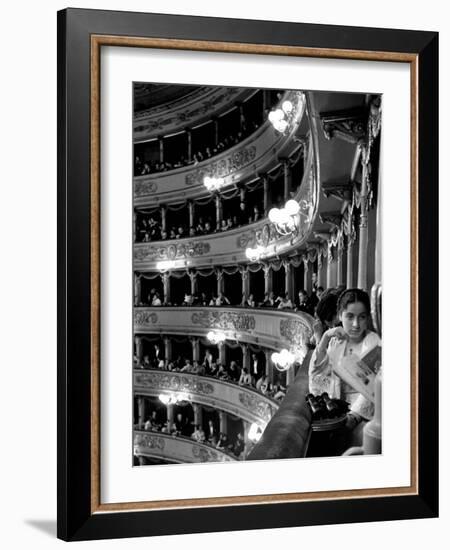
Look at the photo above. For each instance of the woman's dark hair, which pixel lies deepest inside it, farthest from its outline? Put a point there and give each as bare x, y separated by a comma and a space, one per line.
351, 296
326, 308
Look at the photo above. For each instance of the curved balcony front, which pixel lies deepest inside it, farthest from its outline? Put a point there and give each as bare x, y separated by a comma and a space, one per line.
243, 402
271, 328
229, 247
180, 450
199, 106
256, 153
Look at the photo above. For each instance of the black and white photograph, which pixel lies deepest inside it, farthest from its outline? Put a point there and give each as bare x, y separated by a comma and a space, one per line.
257, 268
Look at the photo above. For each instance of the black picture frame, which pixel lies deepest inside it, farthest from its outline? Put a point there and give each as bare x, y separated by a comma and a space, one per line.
78, 517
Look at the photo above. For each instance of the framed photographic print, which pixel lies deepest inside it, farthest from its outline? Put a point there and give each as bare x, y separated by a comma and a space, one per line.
247, 274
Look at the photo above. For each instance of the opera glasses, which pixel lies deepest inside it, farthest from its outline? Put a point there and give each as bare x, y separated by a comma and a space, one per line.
325, 408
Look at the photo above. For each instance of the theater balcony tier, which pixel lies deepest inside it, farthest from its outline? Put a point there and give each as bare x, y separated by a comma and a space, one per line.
191, 110
274, 329
242, 402
173, 449
258, 153
228, 247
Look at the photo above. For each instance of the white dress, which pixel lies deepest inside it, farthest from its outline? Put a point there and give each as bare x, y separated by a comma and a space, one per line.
322, 377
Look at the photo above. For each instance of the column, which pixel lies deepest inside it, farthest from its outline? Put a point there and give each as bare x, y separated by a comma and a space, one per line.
195, 349
191, 213
170, 416
137, 290
245, 357
265, 180
167, 348
189, 144
265, 103
268, 353
305, 274
198, 414
163, 217
219, 275
216, 131
193, 278
161, 149
288, 280
223, 422
241, 117
245, 283
166, 285
218, 211
141, 412
222, 352
287, 180
321, 279
329, 264
134, 226
267, 279
340, 253
363, 219
350, 252
139, 348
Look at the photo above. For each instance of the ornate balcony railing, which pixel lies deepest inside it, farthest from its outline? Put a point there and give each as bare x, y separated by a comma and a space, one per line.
229, 247
256, 153
201, 105
243, 402
274, 329
176, 449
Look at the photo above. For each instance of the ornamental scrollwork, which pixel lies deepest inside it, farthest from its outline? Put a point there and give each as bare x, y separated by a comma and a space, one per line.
143, 188
261, 409
224, 320
190, 249
173, 382
149, 441
222, 167
208, 455
295, 331
143, 318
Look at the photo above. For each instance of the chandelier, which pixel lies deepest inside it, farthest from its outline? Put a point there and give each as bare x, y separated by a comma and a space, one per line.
285, 219
255, 432
213, 184
283, 360
173, 398
281, 118
216, 337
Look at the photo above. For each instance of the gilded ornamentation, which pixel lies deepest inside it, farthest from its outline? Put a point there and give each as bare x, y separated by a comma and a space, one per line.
223, 167
181, 250
172, 382
295, 331
149, 441
143, 188
208, 455
260, 408
143, 318
224, 320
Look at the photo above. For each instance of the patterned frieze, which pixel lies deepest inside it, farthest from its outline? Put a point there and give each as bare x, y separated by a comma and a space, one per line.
224, 320
176, 449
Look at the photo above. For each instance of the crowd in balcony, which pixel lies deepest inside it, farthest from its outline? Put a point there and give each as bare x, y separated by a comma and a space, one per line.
184, 427
150, 229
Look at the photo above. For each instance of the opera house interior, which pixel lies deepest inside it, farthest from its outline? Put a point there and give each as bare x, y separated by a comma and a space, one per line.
257, 274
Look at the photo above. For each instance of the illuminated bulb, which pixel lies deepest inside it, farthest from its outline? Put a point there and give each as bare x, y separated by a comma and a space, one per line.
255, 433
281, 125
274, 215
287, 107
292, 207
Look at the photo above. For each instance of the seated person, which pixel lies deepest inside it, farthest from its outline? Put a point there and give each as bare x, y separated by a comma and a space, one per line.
284, 302
245, 378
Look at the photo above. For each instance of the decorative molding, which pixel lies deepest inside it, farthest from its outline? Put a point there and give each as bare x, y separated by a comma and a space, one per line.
143, 318
223, 167
173, 382
183, 250
295, 331
257, 406
339, 190
331, 218
149, 441
224, 320
203, 454
142, 188
350, 126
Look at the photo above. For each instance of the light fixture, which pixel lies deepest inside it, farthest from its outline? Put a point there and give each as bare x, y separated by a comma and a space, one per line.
173, 398
281, 118
165, 265
254, 254
216, 337
283, 360
286, 219
213, 184
255, 432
